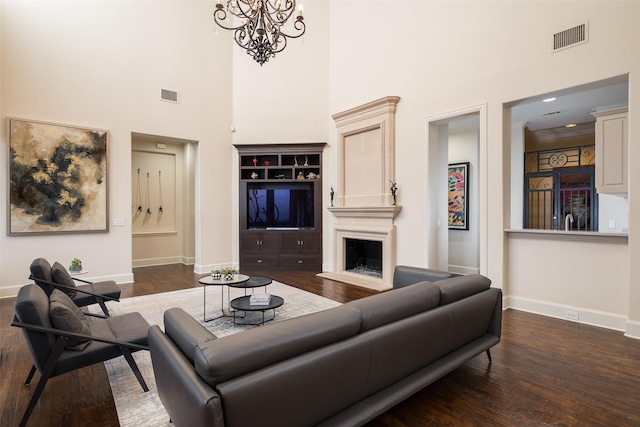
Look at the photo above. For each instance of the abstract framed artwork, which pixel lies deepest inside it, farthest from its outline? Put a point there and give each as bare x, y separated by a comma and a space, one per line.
458, 196
57, 179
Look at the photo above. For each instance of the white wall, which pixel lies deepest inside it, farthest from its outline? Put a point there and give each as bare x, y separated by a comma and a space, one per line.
103, 64
445, 56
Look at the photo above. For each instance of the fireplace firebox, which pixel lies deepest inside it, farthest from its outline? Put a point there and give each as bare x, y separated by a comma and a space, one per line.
363, 257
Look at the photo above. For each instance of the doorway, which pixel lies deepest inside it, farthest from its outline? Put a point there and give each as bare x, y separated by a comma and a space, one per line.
162, 200
457, 137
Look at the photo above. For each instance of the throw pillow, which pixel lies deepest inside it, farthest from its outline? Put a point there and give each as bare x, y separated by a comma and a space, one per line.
65, 315
61, 277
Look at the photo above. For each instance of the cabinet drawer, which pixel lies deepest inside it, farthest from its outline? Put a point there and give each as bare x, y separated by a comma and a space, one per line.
256, 262
301, 262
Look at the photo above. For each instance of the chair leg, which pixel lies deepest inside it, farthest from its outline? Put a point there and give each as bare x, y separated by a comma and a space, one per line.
103, 306
46, 374
30, 376
489, 355
134, 367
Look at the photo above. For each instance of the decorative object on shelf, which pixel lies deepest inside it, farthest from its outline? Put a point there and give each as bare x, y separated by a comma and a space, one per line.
306, 160
58, 179
312, 175
300, 175
259, 30
267, 162
394, 189
332, 194
76, 265
458, 182
254, 175
255, 161
280, 176
295, 160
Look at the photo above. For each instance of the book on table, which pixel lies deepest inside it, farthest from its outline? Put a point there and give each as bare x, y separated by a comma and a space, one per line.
260, 299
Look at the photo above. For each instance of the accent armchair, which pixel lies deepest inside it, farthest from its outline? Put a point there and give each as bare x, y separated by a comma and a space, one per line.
57, 277
61, 339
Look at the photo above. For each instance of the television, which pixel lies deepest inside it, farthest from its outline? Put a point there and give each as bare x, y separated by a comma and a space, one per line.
280, 205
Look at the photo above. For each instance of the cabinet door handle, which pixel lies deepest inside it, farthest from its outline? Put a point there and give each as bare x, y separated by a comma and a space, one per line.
259, 261
301, 242
299, 261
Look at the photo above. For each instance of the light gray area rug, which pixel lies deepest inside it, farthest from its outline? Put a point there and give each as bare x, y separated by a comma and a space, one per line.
136, 408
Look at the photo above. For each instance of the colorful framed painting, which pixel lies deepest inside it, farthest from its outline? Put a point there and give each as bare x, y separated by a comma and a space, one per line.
57, 179
458, 203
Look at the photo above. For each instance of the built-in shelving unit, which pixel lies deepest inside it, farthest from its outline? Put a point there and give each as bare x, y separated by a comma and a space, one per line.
280, 206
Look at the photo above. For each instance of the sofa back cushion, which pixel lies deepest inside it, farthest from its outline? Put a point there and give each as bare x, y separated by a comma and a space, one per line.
403, 347
459, 287
222, 359
388, 307
405, 275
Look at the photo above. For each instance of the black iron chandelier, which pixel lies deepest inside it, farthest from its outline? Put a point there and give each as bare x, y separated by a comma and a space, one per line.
260, 31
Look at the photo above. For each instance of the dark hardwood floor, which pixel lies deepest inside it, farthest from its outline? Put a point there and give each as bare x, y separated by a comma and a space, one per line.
545, 372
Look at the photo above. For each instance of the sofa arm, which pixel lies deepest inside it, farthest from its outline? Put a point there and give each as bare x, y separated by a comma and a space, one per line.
185, 332
405, 275
189, 400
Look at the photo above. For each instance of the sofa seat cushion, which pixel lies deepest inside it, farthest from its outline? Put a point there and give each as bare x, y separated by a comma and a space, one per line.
460, 287
388, 307
229, 357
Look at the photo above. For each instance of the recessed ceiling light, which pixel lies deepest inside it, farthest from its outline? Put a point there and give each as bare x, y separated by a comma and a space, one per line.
570, 125
548, 100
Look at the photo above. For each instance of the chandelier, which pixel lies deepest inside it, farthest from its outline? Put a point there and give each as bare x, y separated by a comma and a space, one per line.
260, 31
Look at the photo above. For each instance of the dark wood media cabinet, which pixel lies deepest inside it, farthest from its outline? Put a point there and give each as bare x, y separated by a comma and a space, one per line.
280, 206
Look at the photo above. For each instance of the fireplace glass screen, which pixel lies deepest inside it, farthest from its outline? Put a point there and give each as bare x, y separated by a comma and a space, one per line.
363, 257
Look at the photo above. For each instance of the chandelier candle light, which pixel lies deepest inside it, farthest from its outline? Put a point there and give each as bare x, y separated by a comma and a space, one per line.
260, 31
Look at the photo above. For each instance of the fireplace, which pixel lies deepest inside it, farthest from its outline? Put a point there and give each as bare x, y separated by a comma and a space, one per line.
363, 257
364, 231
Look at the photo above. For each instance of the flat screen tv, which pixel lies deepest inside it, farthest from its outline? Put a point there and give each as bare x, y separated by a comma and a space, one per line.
273, 205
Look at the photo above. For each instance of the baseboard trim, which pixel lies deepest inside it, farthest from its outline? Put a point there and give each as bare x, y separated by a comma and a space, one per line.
151, 262
120, 279
463, 270
632, 329
586, 316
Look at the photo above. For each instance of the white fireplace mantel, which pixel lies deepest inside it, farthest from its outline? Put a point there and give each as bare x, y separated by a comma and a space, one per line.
389, 212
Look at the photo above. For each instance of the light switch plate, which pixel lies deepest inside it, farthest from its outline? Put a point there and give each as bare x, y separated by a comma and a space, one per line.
118, 222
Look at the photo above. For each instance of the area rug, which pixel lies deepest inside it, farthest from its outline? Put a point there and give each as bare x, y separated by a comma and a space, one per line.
136, 408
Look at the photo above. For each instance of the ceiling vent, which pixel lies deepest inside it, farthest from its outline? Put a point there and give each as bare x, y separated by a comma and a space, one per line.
572, 37
169, 95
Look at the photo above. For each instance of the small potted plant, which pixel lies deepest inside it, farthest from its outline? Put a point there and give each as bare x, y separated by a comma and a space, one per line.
76, 265
227, 273
216, 274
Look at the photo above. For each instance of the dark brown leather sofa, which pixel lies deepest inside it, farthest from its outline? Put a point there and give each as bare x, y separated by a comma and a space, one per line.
339, 367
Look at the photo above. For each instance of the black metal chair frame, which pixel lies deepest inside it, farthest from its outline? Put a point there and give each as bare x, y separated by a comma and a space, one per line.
100, 298
62, 337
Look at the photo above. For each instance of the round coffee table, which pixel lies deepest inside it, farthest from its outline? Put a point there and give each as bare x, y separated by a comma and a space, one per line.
244, 304
208, 280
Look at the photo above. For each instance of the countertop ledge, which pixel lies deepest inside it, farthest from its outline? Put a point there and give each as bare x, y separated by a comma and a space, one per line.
566, 233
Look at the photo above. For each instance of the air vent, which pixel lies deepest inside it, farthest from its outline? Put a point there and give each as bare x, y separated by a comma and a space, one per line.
551, 113
572, 37
168, 95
